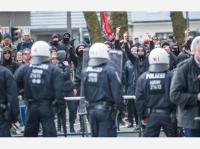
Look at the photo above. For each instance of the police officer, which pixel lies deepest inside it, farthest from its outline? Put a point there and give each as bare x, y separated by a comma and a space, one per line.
152, 95
9, 106
102, 90
42, 83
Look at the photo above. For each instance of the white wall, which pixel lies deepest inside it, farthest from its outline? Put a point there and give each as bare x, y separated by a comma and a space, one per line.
140, 29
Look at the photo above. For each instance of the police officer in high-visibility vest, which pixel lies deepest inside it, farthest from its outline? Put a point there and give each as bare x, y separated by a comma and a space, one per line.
103, 91
152, 95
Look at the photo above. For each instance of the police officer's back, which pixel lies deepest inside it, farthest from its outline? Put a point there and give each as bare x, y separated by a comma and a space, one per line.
42, 83
103, 90
9, 106
152, 94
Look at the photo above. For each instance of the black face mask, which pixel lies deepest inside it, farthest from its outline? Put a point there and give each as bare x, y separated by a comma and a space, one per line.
66, 39
80, 53
55, 42
141, 56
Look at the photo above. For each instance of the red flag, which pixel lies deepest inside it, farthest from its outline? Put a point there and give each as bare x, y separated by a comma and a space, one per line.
105, 24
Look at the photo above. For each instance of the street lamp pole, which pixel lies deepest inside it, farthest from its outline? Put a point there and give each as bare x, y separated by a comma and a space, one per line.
69, 22
187, 20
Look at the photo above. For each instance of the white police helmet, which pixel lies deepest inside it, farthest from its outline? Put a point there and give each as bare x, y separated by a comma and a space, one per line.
40, 52
98, 54
158, 60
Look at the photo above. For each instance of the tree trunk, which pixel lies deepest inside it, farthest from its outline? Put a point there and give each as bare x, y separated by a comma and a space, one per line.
179, 27
93, 26
119, 19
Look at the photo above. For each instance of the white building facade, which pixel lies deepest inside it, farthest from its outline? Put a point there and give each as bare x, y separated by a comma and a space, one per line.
43, 24
159, 23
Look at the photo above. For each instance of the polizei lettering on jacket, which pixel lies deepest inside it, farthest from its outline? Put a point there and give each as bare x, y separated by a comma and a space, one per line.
93, 74
94, 69
155, 76
43, 66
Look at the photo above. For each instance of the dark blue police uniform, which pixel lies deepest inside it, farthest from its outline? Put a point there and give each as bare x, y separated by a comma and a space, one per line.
103, 91
42, 84
152, 94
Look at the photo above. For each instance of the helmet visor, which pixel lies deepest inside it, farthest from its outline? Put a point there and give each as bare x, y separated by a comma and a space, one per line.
158, 67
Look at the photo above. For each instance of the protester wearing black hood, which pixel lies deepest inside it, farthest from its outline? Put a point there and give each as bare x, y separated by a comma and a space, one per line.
172, 58
78, 66
68, 92
78, 71
129, 75
61, 111
66, 44
186, 52
174, 48
7, 59
55, 42
9, 104
7, 42
140, 62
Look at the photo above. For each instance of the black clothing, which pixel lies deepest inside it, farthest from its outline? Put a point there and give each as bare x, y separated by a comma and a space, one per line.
152, 100
103, 91
42, 84
9, 106
183, 92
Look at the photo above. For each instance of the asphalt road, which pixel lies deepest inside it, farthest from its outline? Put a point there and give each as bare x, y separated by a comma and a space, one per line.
123, 132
